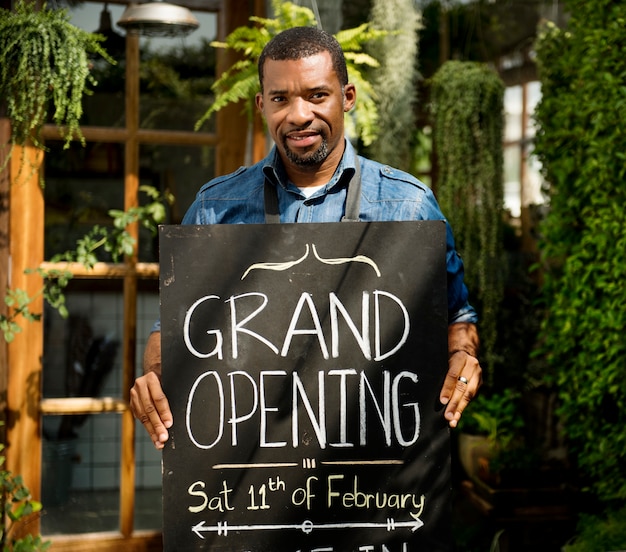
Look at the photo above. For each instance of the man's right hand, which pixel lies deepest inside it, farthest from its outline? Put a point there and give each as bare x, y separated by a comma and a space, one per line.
148, 402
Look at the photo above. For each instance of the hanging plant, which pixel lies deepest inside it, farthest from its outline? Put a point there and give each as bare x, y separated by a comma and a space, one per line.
395, 80
241, 81
45, 68
467, 103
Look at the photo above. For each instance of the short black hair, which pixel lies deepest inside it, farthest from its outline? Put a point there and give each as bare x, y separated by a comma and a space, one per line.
300, 42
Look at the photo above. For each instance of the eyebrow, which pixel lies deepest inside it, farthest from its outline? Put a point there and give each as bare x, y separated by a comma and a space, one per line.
314, 89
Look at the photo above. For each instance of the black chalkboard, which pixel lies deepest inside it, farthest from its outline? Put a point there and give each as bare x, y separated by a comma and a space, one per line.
303, 364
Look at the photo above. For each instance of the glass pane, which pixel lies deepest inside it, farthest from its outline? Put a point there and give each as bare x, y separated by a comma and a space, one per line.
80, 476
512, 192
181, 170
513, 113
82, 354
176, 77
82, 185
149, 498
176, 73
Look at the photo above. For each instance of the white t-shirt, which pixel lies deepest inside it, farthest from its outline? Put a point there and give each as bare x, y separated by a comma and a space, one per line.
310, 190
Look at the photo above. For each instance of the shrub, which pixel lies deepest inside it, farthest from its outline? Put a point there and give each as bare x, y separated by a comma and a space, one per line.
582, 146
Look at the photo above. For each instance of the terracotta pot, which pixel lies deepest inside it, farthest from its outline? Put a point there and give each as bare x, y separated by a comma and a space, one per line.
475, 453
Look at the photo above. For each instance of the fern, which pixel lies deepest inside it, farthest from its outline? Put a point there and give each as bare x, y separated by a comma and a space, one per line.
240, 83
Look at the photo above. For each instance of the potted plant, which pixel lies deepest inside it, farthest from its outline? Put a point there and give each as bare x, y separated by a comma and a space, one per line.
45, 70
511, 474
491, 436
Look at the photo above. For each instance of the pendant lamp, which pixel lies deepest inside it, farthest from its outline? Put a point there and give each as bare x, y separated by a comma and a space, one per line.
158, 19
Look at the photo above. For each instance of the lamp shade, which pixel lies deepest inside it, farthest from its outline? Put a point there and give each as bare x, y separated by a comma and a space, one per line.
158, 19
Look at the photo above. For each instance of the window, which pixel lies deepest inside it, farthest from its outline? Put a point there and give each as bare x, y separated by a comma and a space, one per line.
522, 179
99, 471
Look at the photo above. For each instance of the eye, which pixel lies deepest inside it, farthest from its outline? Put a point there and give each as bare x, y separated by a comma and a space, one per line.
319, 95
277, 99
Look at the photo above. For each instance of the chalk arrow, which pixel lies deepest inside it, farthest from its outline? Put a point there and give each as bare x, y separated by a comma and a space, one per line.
307, 526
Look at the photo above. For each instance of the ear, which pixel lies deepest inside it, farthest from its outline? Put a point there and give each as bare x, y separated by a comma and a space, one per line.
349, 92
258, 100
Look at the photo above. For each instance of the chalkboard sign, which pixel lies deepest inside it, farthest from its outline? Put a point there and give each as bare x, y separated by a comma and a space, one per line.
303, 365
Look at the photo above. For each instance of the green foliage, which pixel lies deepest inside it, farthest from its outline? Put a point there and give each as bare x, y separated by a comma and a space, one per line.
17, 506
600, 533
495, 415
45, 67
499, 416
116, 241
582, 147
241, 83
467, 102
394, 81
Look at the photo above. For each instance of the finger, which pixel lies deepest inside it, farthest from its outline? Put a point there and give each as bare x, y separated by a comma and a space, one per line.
465, 391
456, 366
151, 408
460, 399
462, 381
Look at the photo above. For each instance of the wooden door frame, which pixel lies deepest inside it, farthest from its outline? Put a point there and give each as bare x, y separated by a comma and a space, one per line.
22, 222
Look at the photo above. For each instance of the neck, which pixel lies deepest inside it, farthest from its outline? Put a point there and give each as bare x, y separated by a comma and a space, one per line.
306, 177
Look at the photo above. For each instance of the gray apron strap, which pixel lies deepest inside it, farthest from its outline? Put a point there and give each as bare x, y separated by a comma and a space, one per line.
353, 199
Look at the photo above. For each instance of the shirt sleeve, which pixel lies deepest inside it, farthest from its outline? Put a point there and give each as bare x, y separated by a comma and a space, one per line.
459, 308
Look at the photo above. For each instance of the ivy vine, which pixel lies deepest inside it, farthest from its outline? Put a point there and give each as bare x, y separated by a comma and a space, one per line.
114, 240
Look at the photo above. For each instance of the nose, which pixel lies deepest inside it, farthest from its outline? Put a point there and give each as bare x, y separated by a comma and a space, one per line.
300, 113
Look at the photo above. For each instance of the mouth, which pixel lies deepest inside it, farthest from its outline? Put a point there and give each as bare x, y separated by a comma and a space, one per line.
302, 139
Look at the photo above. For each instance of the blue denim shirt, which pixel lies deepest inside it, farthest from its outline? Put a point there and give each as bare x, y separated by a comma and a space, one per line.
387, 194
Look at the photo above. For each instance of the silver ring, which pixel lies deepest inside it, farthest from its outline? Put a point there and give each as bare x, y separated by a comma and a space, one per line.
463, 380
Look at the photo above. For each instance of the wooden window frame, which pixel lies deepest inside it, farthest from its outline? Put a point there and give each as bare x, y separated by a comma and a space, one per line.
21, 360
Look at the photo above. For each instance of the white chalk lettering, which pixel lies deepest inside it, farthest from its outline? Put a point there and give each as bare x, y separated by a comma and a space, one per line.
383, 413
305, 298
379, 354
397, 425
220, 397
238, 327
305, 320
217, 333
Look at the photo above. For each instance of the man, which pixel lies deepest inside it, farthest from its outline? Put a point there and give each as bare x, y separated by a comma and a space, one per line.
306, 178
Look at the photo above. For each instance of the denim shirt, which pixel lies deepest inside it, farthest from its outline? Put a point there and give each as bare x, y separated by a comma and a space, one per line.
387, 194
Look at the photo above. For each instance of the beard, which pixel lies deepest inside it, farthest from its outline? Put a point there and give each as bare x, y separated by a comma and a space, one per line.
309, 159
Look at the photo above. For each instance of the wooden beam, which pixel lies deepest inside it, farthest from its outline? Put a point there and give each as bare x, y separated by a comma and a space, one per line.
100, 271
5, 134
129, 343
107, 542
25, 352
144, 136
82, 405
240, 142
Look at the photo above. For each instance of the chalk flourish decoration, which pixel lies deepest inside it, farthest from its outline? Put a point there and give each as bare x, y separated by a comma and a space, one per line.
288, 264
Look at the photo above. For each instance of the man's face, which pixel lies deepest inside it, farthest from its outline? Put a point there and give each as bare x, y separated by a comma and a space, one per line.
304, 103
